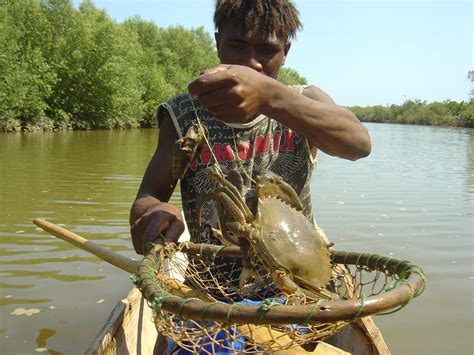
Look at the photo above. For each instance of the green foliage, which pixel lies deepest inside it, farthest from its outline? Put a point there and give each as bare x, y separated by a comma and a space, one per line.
68, 68
171, 58
447, 113
290, 76
26, 78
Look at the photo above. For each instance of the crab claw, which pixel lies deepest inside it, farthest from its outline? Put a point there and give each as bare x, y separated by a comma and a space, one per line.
247, 274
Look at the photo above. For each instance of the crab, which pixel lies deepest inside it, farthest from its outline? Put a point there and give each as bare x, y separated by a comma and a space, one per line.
277, 234
184, 151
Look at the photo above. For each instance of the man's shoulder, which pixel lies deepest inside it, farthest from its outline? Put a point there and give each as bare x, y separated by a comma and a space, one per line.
299, 87
177, 99
316, 93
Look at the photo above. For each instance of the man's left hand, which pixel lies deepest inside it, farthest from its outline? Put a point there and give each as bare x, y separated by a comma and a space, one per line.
232, 93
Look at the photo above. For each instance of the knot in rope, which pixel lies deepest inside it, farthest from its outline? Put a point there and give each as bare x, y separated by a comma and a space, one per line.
265, 306
135, 279
157, 303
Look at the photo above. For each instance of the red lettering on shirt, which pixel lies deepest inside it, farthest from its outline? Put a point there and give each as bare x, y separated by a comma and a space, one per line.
223, 152
288, 145
205, 154
262, 144
245, 151
276, 141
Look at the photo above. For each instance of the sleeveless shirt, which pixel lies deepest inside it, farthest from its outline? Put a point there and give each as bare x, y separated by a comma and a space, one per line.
260, 146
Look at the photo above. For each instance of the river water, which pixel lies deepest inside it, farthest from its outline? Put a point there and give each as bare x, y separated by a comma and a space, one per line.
412, 198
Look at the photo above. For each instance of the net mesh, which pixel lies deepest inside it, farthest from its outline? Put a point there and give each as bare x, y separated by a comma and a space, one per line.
197, 275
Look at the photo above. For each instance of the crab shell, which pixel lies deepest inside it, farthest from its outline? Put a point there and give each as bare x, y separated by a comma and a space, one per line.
287, 240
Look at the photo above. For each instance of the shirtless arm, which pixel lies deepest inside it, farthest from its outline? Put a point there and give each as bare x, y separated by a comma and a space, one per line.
151, 214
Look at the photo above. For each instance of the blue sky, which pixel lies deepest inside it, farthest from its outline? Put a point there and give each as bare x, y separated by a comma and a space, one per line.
360, 53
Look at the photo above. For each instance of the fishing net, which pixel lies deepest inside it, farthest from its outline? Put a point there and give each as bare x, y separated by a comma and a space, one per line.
199, 305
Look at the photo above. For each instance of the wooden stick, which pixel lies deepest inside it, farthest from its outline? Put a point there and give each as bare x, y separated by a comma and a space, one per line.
109, 256
114, 258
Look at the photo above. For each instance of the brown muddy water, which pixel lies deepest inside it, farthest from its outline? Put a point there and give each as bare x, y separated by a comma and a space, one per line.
412, 198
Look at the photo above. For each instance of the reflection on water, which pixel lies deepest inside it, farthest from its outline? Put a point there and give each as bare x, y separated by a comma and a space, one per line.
49, 274
412, 198
43, 336
8, 300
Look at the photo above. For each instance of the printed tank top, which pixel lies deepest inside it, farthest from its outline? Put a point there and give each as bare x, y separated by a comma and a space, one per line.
260, 146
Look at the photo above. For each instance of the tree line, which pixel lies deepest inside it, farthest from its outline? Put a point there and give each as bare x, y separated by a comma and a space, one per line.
63, 67
446, 113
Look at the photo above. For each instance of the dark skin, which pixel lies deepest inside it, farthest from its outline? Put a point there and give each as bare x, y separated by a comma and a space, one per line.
239, 89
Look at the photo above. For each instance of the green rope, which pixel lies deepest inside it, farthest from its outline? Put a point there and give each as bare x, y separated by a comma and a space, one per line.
214, 255
379, 256
420, 273
229, 313
181, 306
265, 306
204, 311
387, 261
368, 261
361, 308
135, 279
358, 259
313, 309
201, 248
157, 303
412, 293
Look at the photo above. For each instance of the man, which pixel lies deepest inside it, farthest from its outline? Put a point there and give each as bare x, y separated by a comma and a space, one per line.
253, 123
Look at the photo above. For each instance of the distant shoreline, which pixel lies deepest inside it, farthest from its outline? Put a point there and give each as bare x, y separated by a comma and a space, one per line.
447, 113
394, 114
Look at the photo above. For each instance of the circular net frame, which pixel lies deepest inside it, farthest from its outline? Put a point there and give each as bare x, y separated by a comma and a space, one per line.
194, 291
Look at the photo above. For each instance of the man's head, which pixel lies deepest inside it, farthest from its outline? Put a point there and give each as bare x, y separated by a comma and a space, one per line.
255, 33
266, 17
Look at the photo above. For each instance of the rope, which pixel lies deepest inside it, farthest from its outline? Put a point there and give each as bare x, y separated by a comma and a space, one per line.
313, 309
361, 308
229, 313
181, 306
157, 303
265, 306
207, 141
392, 286
238, 158
135, 279
214, 255
204, 311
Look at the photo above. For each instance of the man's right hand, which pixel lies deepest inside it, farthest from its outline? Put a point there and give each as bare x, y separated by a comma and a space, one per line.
161, 218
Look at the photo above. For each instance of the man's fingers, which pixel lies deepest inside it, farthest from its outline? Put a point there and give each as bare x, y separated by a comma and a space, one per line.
174, 231
209, 82
222, 96
220, 67
153, 231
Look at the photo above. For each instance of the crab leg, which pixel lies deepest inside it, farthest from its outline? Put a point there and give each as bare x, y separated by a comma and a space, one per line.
235, 220
286, 284
233, 204
231, 190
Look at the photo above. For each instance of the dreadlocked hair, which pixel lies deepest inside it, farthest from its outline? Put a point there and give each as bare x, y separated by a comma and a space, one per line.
279, 17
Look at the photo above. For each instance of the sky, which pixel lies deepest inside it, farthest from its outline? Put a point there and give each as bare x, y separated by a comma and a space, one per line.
360, 53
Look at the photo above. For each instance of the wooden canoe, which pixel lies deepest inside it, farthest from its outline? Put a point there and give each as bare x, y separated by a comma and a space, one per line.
130, 330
